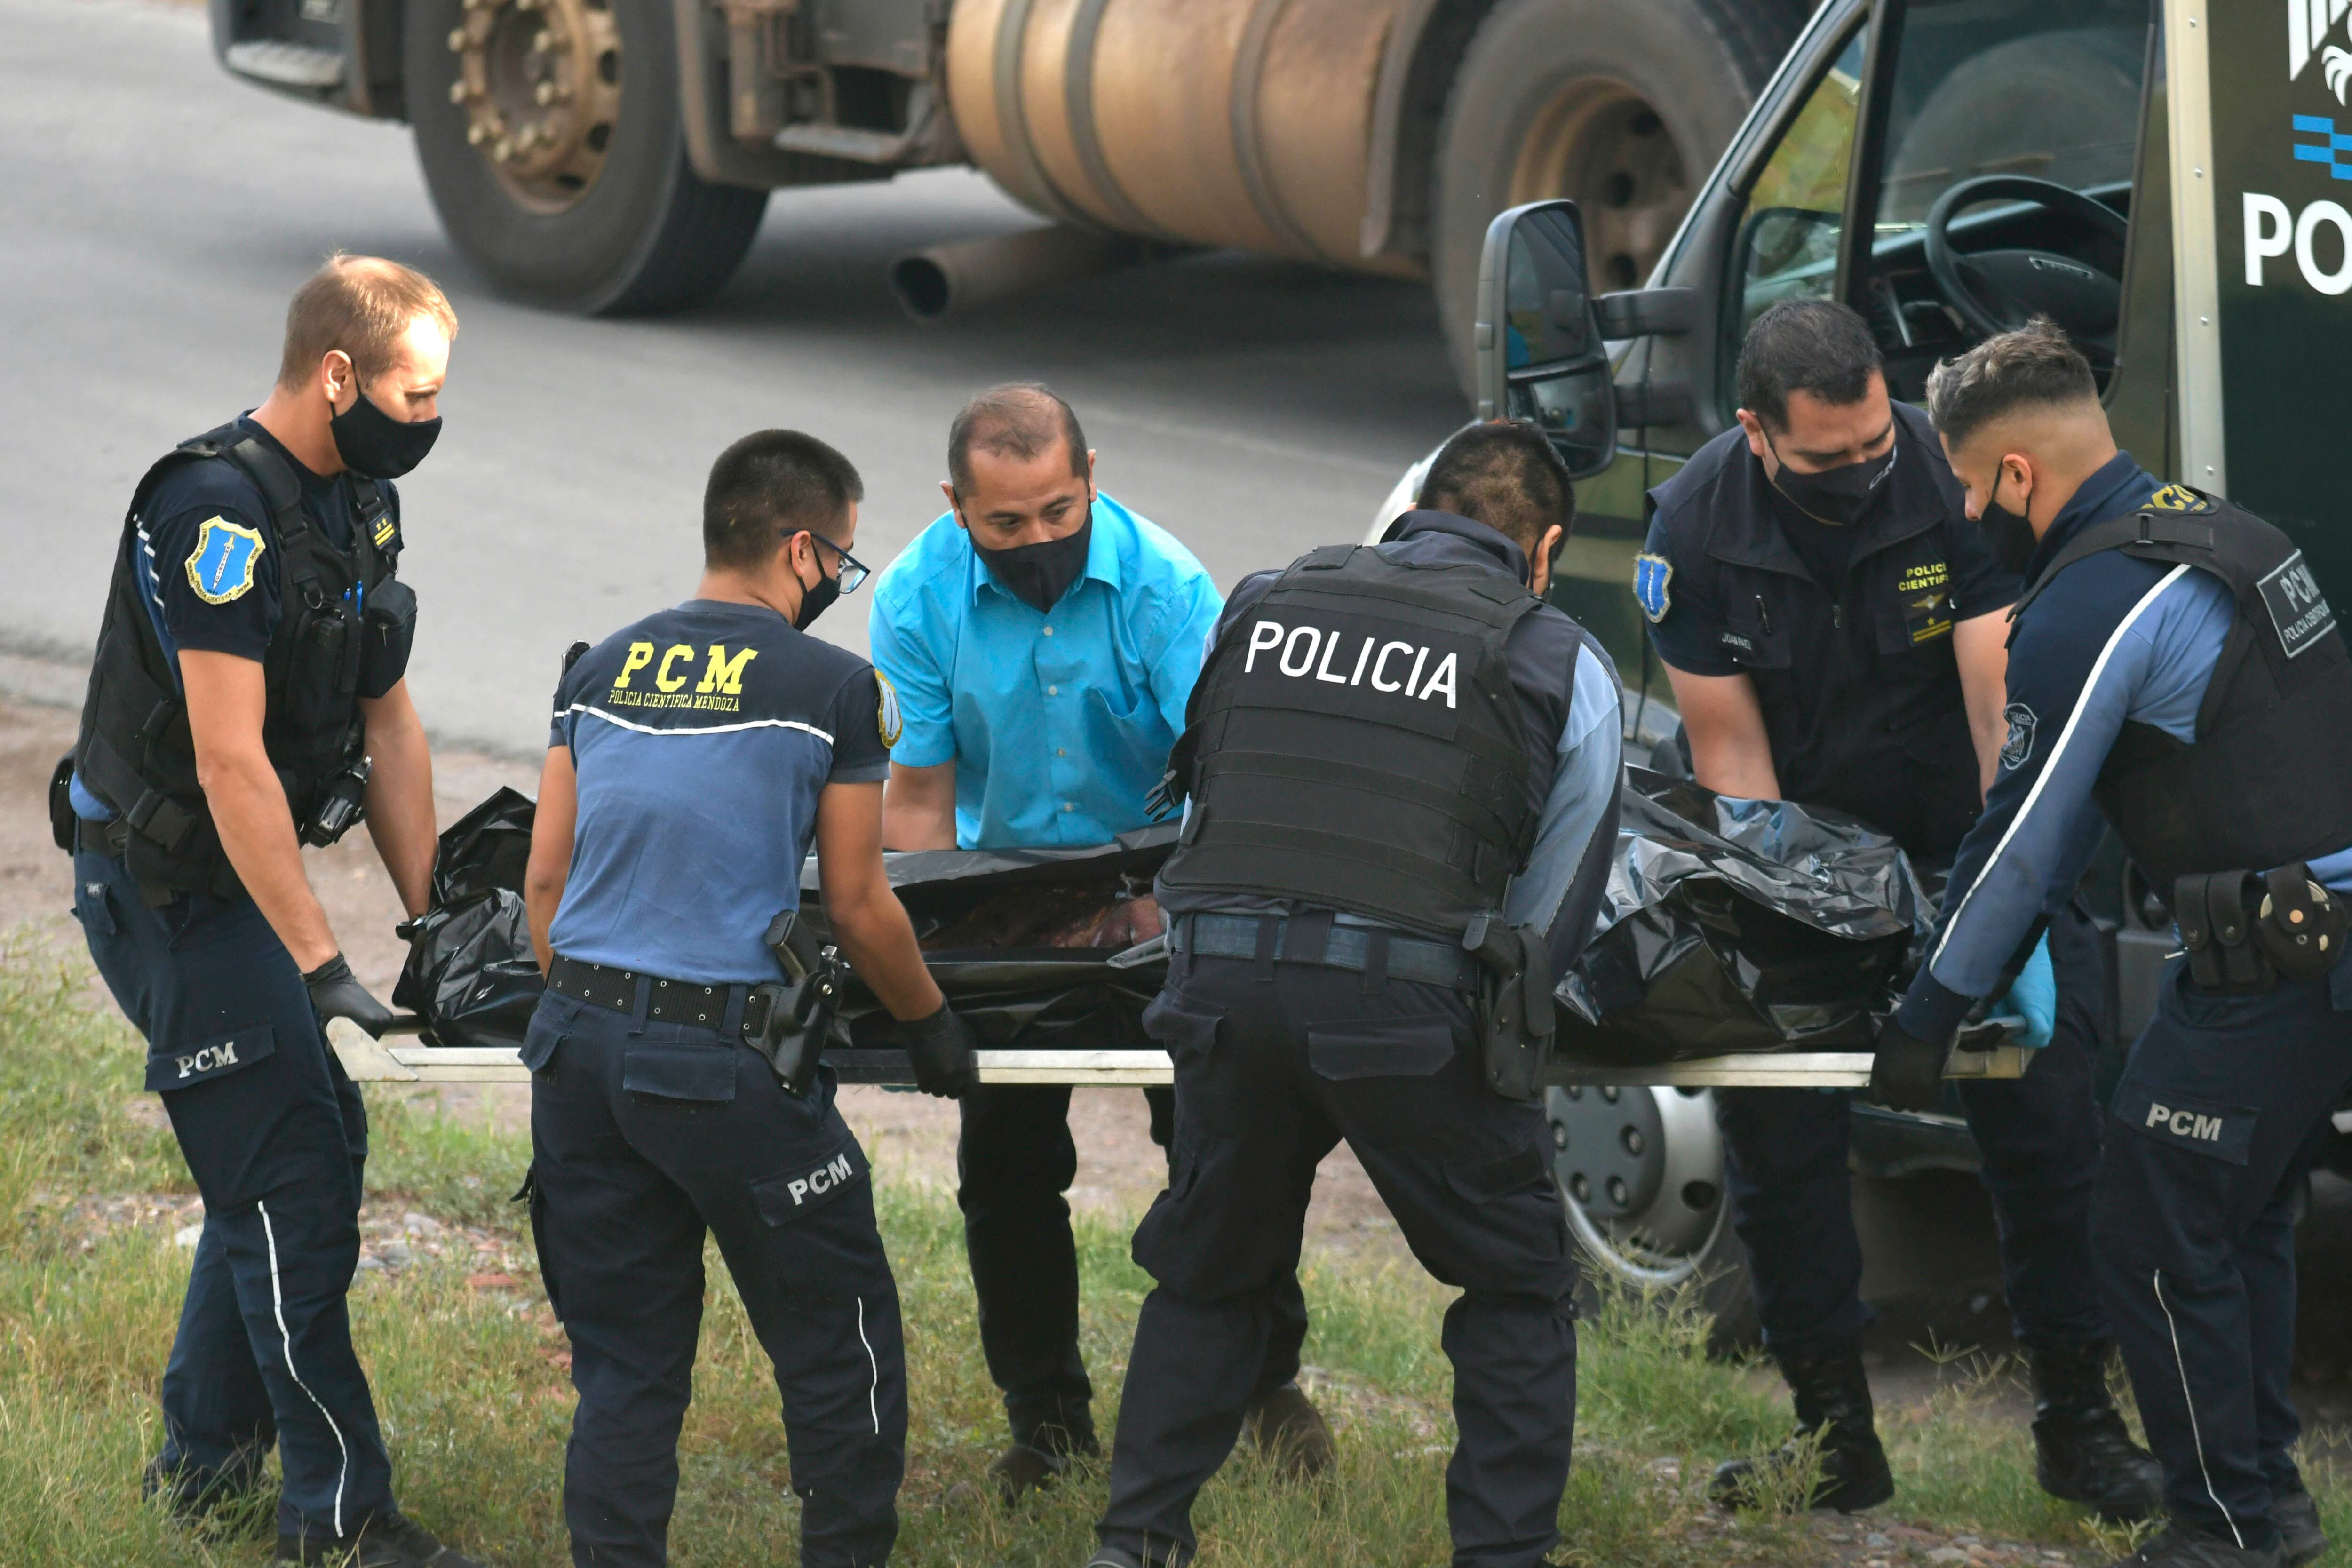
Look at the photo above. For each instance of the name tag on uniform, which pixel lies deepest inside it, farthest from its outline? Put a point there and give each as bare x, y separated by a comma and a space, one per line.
1926, 592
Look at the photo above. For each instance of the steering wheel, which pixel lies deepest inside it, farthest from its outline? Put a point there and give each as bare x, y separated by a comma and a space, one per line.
1999, 290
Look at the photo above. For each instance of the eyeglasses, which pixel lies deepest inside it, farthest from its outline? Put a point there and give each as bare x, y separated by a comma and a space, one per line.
853, 572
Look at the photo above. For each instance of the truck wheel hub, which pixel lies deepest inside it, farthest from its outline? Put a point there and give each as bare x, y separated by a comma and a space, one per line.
540, 82
1602, 143
1642, 1173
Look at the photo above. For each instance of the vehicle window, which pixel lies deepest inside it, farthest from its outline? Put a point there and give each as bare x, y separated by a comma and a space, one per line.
1789, 231
2046, 89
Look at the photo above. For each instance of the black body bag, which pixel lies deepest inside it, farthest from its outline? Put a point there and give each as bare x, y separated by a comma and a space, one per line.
471, 975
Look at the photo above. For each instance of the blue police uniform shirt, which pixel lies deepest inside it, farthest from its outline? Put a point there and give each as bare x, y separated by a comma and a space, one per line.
207, 565
2112, 639
1060, 722
1568, 695
702, 737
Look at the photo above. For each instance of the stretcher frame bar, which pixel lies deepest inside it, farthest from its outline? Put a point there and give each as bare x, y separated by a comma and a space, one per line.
393, 1059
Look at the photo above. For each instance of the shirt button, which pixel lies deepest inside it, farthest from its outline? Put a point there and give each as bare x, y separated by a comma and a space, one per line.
1069, 805
1053, 691
1058, 751
1049, 631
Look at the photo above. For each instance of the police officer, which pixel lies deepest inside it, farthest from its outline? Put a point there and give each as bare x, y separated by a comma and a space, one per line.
1399, 759
2176, 671
1044, 640
1833, 628
696, 757
247, 698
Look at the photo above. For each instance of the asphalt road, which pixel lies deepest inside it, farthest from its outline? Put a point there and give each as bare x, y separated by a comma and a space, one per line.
155, 215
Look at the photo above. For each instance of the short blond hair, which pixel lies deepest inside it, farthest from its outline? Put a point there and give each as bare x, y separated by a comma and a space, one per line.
361, 305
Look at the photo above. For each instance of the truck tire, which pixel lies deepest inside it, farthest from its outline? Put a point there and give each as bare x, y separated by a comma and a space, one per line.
1640, 1171
1623, 105
551, 139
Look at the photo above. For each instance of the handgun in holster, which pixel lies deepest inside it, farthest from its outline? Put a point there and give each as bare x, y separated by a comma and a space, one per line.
1513, 1010
787, 1021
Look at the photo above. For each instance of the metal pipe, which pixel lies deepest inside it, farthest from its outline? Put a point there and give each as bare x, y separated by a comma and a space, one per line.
946, 279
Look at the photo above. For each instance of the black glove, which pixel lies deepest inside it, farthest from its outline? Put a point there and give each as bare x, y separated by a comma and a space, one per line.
1906, 1074
940, 1048
336, 993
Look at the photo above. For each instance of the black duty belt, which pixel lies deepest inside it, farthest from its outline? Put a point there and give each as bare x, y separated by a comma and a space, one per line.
1375, 952
668, 1001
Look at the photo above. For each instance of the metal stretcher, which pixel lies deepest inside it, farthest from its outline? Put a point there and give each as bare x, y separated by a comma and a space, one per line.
1982, 1053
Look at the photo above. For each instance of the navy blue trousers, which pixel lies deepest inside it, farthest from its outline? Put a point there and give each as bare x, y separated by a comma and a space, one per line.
2211, 1132
276, 1138
644, 1136
1272, 1070
1792, 1196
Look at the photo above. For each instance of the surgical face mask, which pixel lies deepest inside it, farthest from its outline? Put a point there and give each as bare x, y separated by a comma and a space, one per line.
374, 445
2010, 533
1836, 496
1039, 575
815, 601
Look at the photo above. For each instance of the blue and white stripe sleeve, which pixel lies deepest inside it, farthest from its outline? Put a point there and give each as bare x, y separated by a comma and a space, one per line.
2115, 640
1581, 804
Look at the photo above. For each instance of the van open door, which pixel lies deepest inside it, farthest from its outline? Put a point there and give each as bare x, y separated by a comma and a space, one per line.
2260, 142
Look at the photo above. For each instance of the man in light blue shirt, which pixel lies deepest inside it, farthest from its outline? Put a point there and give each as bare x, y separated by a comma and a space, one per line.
1044, 640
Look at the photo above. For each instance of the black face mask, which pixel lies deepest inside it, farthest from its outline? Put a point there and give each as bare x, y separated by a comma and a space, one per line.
815, 601
1039, 575
374, 445
1836, 496
2008, 533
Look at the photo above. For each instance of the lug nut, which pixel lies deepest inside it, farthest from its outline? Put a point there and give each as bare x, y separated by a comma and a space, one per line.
502, 152
457, 40
477, 133
457, 91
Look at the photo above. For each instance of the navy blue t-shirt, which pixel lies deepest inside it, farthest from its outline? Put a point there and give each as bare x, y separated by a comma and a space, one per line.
702, 737
208, 564
207, 559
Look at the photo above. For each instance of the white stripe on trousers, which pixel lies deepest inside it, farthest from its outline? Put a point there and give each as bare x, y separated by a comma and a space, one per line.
277, 1305
872, 1389
2156, 1278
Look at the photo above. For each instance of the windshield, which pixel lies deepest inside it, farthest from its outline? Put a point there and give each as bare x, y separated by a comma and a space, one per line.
2048, 89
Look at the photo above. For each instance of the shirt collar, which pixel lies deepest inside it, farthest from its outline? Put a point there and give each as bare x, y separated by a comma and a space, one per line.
2120, 485
1459, 541
1102, 552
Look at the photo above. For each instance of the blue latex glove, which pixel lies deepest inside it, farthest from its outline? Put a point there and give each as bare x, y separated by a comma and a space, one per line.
2033, 1000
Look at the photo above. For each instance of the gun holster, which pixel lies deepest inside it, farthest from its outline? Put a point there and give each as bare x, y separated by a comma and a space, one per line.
787, 1021
2244, 932
1513, 1010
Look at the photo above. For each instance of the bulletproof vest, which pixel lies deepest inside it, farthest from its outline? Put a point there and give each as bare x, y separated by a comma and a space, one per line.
2264, 781
134, 752
1355, 743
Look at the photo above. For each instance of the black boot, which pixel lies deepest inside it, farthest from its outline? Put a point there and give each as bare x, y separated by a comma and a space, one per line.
1833, 1397
2082, 1451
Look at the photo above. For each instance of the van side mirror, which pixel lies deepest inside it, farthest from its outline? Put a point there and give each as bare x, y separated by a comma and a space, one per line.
1540, 351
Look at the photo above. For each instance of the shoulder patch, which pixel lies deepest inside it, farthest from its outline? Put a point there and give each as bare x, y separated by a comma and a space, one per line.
386, 530
2299, 613
220, 568
2178, 498
885, 710
1652, 577
2015, 750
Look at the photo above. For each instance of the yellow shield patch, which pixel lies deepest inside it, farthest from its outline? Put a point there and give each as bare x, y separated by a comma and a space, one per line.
886, 711
220, 568
2178, 498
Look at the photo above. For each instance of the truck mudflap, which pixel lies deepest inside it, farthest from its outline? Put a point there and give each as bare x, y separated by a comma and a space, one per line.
1787, 928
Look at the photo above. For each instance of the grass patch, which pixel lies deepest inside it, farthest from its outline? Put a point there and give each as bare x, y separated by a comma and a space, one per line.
476, 1404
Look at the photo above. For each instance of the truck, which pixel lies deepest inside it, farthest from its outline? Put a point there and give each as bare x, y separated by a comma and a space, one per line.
2163, 180
617, 155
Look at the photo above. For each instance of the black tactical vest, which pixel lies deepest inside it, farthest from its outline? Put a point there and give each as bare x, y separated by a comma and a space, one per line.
2269, 778
134, 752
1355, 743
